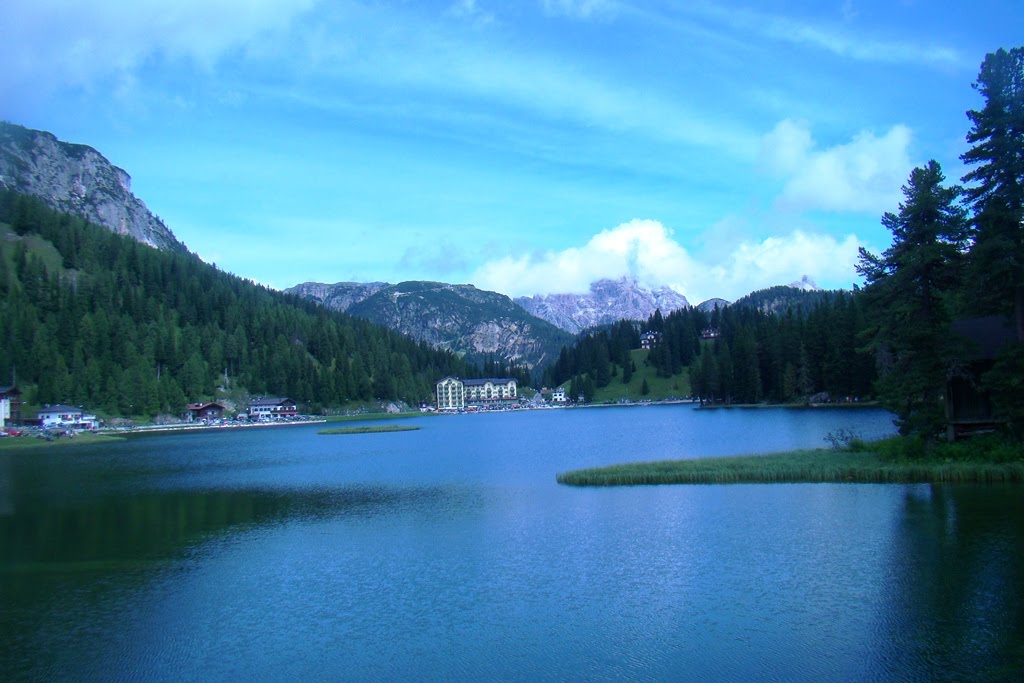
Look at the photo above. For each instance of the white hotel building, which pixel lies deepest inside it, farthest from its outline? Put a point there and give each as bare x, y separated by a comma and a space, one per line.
455, 394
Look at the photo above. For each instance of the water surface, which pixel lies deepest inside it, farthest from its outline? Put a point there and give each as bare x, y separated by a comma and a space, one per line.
450, 553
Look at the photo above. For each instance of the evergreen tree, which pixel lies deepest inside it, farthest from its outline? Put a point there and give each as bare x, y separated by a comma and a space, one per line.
996, 192
997, 198
910, 289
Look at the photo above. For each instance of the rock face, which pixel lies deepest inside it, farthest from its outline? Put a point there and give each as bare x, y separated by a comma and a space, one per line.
460, 318
79, 180
340, 296
607, 301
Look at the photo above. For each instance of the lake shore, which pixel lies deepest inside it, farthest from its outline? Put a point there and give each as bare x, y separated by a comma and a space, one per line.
797, 467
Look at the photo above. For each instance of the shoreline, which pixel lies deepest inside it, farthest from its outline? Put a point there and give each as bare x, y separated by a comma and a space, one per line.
797, 467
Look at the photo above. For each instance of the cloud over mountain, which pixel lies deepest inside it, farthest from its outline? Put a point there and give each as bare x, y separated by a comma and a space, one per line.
647, 251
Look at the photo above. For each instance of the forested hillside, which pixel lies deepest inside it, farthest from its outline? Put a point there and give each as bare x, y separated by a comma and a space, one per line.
97, 319
738, 354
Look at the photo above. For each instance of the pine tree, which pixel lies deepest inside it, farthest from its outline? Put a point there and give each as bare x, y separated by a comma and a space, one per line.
996, 193
910, 289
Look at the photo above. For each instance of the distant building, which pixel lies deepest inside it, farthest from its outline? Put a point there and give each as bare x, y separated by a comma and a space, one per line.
271, 408
66, 417
195, 412
10, 405
558, 396
648, 340
454, 393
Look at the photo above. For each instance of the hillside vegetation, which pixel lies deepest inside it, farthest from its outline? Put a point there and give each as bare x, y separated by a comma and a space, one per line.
98, 319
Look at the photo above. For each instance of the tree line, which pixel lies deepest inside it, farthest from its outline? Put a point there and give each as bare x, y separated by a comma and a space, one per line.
957, 253
98, 319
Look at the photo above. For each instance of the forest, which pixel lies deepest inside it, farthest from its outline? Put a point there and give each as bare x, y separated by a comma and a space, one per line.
97, 319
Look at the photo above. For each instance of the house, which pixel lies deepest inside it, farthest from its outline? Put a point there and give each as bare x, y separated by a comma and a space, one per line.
968, 405
648, 340
66, 417
453, 393
10, 405
196, 412
558, 396
271, 408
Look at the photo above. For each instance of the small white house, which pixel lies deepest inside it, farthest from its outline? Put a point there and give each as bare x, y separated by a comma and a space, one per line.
558, 396
66, 417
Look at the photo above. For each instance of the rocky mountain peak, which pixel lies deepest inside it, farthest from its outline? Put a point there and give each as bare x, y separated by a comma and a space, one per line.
79, 180
606, 302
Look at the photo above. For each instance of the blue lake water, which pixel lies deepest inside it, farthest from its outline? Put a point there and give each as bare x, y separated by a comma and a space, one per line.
450, 553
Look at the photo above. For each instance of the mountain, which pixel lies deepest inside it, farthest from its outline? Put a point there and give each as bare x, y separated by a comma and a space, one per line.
97, 319
711, 304
461, 318
805, 283
778, 299
607, 301
78, 180
340, 296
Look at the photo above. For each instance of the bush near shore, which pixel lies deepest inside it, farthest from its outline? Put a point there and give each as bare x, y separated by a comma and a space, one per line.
896, 460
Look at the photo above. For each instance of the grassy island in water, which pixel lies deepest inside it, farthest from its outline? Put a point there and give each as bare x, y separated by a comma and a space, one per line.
371, 429
896, 460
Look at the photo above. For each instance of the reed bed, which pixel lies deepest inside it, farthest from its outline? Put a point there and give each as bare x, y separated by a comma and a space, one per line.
370, 429
814, 466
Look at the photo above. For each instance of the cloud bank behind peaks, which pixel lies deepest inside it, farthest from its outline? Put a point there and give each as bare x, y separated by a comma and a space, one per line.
647, 251
863, 175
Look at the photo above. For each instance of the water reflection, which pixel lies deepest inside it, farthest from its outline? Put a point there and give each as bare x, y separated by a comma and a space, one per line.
957, 608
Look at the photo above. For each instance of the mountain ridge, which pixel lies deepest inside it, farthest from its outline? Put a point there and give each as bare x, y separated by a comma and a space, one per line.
607, 301
79, 180
471, 322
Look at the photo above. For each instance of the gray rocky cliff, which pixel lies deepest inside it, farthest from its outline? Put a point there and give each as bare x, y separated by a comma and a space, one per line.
79, 180
607, 301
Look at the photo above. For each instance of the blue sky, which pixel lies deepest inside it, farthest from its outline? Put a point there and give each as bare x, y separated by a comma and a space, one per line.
525, 147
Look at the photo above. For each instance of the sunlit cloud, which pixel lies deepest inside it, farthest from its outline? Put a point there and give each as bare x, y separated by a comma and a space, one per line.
863, 175
648, 252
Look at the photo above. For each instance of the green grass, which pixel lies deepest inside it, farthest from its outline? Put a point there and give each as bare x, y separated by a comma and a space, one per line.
890, 461
25, 442
372, 429
661, 388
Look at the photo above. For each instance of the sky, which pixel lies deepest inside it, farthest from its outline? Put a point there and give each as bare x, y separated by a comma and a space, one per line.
524, 147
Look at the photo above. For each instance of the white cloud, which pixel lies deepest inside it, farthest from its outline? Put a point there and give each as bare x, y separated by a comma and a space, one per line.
863, 175
836, 40
647, 251
56, 43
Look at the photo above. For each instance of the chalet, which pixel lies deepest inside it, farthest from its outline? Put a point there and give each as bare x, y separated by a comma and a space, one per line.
66, 417
197, 412
968, 405
271, 408
648, 340
454, 393
558, 396
10, 405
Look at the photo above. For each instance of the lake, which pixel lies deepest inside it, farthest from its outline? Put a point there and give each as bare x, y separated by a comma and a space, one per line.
450, 553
